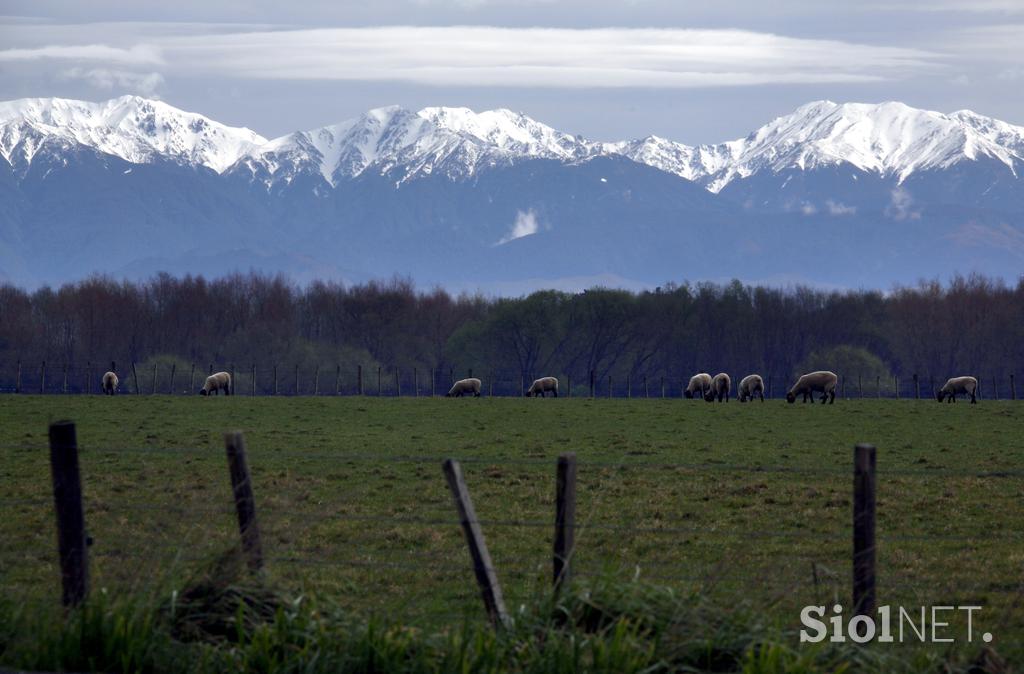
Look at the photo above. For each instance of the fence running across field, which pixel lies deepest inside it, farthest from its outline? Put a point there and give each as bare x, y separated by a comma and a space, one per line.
293, 380
438, 555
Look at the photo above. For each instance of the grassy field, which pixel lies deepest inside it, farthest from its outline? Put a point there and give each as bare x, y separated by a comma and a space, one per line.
749, 505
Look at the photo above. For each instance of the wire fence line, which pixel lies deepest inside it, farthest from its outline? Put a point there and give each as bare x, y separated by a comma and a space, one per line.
371, 552
281, 379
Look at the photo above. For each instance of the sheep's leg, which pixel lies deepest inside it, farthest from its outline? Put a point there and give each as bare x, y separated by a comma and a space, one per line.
974, 400
555, 392
832, 398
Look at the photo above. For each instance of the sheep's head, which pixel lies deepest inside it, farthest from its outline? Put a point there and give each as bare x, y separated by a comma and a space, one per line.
709, 396
790, 397
203, 392
689, 393
939, 395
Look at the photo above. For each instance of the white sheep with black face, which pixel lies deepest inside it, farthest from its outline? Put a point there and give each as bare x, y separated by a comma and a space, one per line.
750, 386
215, 383
958, 386
699, 384
465, 387
542, 386
109, 383
823, 382
721, 384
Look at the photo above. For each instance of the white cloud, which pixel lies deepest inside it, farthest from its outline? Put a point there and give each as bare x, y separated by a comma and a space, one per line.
138, 54
839, 208
901, 205
807, 208
525, 225
145, 84
499, 56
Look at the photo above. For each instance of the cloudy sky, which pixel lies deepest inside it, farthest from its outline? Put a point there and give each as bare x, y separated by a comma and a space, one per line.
691, 71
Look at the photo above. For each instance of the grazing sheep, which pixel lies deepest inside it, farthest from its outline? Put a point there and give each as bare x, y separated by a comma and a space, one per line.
464, 387
965, 385
109, 383
823, 381
541, 386
698, 382
215, 383
750, 386
720, 387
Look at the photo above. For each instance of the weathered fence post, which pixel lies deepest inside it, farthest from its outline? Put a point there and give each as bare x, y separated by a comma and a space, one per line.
252, 381
470, 375
647, 392
232, 384
135, 378
1013, 388
843, 376
211, 369
170, 387
433, 383
609, 386
245, 501
995, 387
316, 380
64, 385
17, 379
192, 379
662, 387
864, 530
490, 386
72, 542
568, 386
337, 380
275, 378
878, 386
88, 377
296, 379
931, 386
860, 386
359, 379
629, 387
565, 517
486, 577
42, 377
896, 386
917, 387
380, 382
415, 383
154, 379
591, 383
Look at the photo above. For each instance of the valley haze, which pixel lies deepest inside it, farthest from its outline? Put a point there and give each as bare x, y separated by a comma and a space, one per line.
831, 195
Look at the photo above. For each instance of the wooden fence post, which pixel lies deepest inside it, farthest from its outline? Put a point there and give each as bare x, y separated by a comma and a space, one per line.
647, 392
769, 387
415, 383
72, 542
609, 386
490, 386
896, 386
380, 382
211, 369
629, 387
154, 379
245, 501
359, 379
170, 387
316, 380
42, 377
88, 377
864, 530
568, 386
17, 379
296, 379
275, 378
398, 383
662, 387
565, 517
337, 380
860, 386
591, 383
433, 383
878, 386
252, 381
843, 377
1013, 388
486, 577
135, 378
192, 379
232, 384
995, 387
64, 385
917, 387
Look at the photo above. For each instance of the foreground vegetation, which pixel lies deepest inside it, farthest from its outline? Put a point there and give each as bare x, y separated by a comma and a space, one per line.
698, 521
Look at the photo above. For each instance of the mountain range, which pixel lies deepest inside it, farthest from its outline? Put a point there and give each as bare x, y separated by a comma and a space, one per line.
844, 195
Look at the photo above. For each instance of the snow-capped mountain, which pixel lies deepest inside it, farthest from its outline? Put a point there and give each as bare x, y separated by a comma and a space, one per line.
450, 195
135, 129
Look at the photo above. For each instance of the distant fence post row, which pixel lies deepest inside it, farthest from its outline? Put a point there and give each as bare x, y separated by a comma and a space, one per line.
396, 381
73, 541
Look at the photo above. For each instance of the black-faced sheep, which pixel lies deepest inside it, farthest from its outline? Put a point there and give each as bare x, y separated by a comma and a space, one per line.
215, 383
699, 383
750, 386
957, 385
822, 381
541, 386
109, 383
721, 384
464, 387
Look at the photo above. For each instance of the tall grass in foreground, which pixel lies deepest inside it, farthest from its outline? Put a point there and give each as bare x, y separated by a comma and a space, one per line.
224, 620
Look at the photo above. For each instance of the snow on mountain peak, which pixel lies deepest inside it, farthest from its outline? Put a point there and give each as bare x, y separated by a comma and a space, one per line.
130, 127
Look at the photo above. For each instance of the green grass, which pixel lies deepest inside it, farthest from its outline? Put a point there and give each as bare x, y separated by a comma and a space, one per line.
671, 492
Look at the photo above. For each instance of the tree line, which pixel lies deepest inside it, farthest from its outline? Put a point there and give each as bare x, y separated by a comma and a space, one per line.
969, 325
